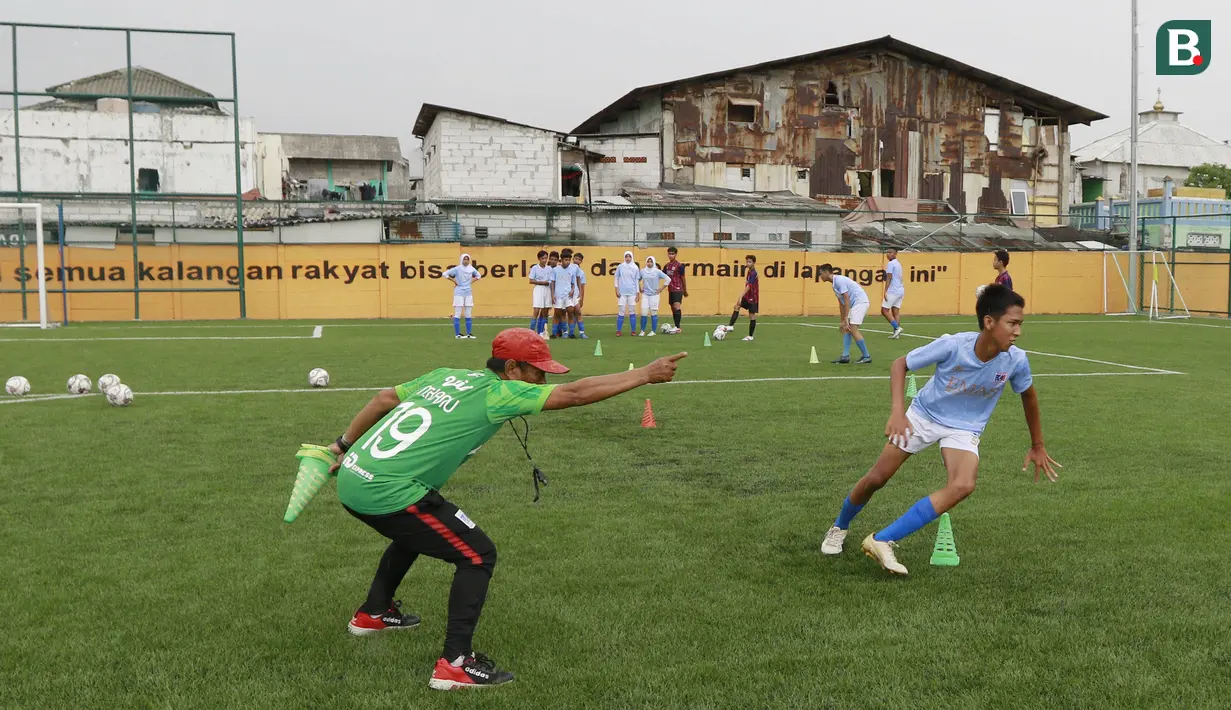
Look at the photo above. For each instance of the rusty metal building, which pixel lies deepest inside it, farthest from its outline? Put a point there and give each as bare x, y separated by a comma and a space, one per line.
877, 119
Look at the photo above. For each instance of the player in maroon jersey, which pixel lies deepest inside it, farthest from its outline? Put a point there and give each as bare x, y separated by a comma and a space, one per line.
1000, 262
750, 300
677, 288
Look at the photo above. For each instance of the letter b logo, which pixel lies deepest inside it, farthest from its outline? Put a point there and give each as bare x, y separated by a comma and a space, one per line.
1182, 47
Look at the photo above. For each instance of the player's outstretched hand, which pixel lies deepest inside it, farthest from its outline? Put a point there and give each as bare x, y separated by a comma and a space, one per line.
333, 448
1038, 456
663, 369
898, 430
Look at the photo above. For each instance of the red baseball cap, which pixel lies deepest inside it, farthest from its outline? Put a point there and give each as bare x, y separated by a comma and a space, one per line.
524, 345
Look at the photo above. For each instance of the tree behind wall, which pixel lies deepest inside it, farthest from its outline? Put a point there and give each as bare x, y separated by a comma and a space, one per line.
1210, 175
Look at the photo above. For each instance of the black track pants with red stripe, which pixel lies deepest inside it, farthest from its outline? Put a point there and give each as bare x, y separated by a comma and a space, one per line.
436, 528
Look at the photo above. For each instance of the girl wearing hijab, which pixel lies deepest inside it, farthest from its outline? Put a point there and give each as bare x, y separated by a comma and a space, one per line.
462, 276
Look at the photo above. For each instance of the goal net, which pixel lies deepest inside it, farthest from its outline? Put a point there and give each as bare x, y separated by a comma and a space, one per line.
1160, 297
23, 281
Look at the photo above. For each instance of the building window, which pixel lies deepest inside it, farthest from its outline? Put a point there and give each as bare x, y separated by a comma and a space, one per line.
741, 112
147, 180
145, 235
801, 174
745, 173
865, 183
722, 236
886, 183
570, 182
660, 236
743, 236
1020, 202
831, 95
480, 232
991, 128
775, 236
801, 239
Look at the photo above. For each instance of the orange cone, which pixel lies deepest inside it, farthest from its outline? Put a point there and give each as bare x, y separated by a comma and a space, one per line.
647, 417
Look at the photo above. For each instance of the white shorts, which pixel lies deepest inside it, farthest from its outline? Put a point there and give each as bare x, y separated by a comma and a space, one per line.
649, 304
629, 302
924, 432
858, 311
893, 300
561, 303
542, 297
574, 302
463, 301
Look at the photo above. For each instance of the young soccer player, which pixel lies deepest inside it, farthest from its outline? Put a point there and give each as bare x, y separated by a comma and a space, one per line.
562, 291
463, 276
653, 283
677, 289
852, 307
1000, 262
579, 297
749, 300
972, 370
895, 291
540, 276
627, 278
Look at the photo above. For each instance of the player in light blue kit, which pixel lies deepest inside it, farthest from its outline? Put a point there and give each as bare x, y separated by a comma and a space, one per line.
462, 276
627, 278
972, 370
577, 324
891, 306
540, 278
852, 307
653, 283
562, 290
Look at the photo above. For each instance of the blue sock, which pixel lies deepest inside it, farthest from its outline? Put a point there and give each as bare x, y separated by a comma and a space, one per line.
469, 325
920, 514
542, 325
863, 347
581, 325
846, 344
534, 324
643, 320
849, 511
654, 322
894, 323
456, 328
619, 323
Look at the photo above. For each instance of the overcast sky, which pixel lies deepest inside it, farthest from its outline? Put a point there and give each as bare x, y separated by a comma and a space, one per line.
365, 67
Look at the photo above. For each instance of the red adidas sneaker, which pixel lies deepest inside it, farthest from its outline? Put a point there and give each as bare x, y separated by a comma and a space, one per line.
478, 671
364, 624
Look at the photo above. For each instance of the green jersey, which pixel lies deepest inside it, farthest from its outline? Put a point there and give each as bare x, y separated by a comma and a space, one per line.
444, 418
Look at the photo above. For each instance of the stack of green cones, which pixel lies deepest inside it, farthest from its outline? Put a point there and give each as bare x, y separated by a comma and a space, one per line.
314, 464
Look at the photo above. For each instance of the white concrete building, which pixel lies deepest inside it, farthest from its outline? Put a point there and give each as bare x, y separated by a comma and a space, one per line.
1165, 148
303, 166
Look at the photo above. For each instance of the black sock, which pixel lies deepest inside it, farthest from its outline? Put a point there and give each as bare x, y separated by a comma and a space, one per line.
734, 317
752, 326
676, 316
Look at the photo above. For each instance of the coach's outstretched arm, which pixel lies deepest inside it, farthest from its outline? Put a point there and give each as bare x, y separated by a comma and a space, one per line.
595, 389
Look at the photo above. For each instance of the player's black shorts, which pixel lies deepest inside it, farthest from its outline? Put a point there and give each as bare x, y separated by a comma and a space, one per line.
675, 297
750, 307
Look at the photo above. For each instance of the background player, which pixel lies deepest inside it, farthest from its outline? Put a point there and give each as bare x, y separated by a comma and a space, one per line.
579, 299
852, 307
562, 291
895, 291
406, 444
677, 288
972, 370
750, 300
627, 276
653, 283
1000, 262
462, 276
540, 276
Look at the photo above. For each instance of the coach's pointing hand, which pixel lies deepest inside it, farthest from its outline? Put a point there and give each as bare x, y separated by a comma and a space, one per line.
663, 369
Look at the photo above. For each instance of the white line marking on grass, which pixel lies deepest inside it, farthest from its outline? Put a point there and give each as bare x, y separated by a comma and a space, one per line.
1154, 370
316, 332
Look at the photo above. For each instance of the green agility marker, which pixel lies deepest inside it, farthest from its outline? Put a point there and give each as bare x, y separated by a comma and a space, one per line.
912, 387
944, 554
598, 349
707, 340
314, 464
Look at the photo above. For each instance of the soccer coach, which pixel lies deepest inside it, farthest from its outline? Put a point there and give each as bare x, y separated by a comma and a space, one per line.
402, 448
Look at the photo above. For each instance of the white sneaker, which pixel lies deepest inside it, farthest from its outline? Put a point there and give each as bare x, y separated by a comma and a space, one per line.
747, 338
832, 544
641, 334
897, 333
651, 334
459, 337
471, 337
882, 552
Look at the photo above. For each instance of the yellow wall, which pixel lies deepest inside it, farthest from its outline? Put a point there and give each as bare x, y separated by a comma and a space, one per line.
396, 281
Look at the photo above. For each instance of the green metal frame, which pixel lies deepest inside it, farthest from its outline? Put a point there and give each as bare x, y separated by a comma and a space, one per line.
133, 195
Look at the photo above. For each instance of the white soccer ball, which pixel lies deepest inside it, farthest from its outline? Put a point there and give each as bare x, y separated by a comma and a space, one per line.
318, 378
667, 327
79, 384
106, 382
17, 386
120, 396
720, 332
979, 291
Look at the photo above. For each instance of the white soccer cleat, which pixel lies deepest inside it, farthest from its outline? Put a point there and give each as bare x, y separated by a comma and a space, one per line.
641, 334
897, 333
651, 334
748, 338
832, 544
882, 552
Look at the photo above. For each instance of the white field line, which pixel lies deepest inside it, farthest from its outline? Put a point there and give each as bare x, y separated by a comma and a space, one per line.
1153, 370
301, 390
316, 333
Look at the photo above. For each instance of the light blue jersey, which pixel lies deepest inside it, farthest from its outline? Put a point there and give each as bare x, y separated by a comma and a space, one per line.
652, 280
464, 276
843, 286
627, 277
579, 277
540, 273
894, 269
564, 281
964, 390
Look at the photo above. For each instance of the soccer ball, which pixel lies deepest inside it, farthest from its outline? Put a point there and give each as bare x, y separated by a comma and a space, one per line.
979, 291
17, 386
318, 378
106, 382
120, 396
79, 384
720, 332
667, 328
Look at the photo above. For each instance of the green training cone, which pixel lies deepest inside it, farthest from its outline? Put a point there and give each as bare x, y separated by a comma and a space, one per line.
912, 387
598, 349
314, 463
630, 366
944, 554
707, 339
814, 360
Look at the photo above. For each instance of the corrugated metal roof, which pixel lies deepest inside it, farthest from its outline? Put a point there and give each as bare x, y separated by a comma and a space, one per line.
146, 82
1166, 143
1026, 95
718, 198
429, 112
340, 147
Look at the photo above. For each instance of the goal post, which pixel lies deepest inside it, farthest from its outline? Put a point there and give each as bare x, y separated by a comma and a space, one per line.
1118, 297
18, 241
1156, 309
